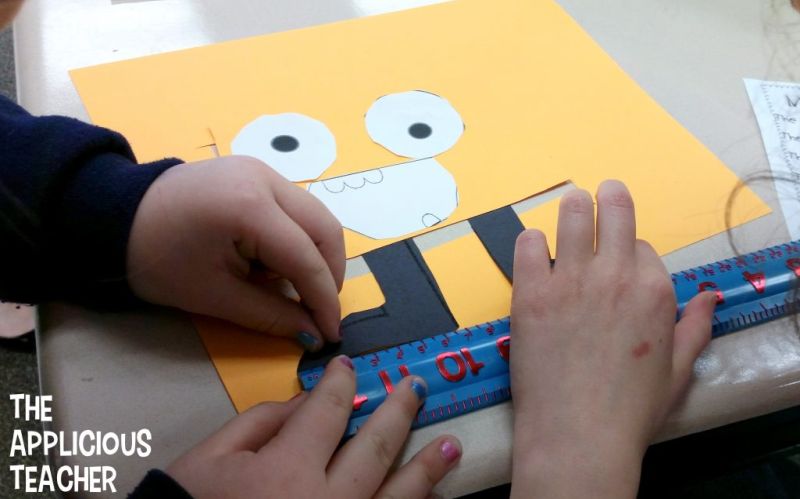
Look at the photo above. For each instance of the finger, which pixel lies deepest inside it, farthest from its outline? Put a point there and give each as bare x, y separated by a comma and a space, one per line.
616, 220
286, 249
418, 477
252, 429
363, 462
317, 426
531, 256
692, 335
575, 240
265, 310
319, 223
531, 263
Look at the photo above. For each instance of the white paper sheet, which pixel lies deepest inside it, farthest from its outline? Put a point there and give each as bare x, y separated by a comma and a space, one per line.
777, 108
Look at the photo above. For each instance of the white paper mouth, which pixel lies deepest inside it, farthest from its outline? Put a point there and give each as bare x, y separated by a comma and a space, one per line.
390, 201
337, 185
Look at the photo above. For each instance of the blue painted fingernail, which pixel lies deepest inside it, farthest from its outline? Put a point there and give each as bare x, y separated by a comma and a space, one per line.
308, 341
419, 388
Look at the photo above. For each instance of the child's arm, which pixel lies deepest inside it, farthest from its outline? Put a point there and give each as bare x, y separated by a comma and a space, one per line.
597, 359
68, 195
81, 220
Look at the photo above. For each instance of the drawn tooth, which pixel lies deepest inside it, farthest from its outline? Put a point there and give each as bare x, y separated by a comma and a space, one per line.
374, 176
429, 220
355, 181
334, 185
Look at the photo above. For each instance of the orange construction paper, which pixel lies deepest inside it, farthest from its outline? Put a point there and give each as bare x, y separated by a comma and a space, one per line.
257, 368
541, 101
360, 293
476, 293
254, 367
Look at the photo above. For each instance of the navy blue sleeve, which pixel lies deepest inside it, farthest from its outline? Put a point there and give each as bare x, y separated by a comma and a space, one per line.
68, 195
159, 485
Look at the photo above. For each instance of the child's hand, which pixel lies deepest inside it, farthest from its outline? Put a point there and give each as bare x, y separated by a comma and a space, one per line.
596, 359
291, 449
206, 232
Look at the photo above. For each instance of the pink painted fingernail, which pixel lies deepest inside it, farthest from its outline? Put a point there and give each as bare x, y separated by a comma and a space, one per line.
450, 451
344, 359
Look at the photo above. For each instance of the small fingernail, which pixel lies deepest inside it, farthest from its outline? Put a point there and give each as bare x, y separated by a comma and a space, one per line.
308, 341
418, 387
450, 451
344, 359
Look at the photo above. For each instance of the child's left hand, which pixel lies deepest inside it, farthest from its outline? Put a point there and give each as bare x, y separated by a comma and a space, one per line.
292, 449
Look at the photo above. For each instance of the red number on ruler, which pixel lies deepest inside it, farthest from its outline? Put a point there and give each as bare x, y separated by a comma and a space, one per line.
794, 265
446, 373
758, 280
387, 382
475, 367
503, 344
710, 285
358, 401
461, 366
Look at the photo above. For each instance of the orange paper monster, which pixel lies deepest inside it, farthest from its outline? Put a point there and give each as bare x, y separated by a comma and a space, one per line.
419, 120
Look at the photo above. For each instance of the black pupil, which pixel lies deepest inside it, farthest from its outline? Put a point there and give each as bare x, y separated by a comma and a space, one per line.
285, 143
420, 131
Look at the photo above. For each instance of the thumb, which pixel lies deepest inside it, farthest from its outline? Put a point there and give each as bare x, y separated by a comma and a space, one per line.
692, 335
266, 310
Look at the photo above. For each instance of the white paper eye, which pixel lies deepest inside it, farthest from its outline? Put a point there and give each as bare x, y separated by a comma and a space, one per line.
296, 146
414, 124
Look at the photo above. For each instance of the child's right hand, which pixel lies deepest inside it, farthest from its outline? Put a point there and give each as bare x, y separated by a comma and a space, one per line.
199, 229
292, 449
596, 357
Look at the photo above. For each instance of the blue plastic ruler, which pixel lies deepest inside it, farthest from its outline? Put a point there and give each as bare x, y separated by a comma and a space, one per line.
467, 369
